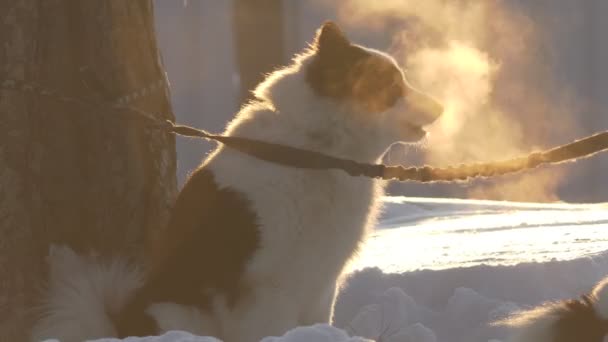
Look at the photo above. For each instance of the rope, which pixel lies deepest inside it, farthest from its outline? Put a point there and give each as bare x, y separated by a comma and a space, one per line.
305, 159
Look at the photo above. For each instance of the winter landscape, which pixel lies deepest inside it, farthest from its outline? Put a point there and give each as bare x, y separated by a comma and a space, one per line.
513, 76
443, 270
434, 270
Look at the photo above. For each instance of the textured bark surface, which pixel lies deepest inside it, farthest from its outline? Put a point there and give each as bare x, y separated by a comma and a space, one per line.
70, 174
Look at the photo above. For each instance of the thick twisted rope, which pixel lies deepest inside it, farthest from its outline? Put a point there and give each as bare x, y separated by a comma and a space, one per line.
305, 159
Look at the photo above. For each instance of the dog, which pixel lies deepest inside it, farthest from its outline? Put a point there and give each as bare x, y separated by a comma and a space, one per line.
252, 248
574, 320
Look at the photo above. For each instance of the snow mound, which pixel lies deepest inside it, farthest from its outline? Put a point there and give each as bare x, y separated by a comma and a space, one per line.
314, 333
393, 318
171, 336
460, 304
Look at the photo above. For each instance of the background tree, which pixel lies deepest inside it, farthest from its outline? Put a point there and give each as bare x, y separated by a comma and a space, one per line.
83, 176
258, 32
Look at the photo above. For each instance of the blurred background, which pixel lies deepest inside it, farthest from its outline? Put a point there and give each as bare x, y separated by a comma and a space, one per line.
515, 76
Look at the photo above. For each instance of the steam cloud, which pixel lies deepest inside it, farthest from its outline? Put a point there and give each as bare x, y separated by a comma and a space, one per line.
482, 60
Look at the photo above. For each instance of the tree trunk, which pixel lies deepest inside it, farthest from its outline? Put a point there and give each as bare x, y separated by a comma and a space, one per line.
258, 31
83, 176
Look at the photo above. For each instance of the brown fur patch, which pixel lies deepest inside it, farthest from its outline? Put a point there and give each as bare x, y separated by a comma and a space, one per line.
578, 322
347, 72
211, 235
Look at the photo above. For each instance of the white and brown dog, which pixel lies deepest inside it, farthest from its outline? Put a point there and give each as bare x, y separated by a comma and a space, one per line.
252, 248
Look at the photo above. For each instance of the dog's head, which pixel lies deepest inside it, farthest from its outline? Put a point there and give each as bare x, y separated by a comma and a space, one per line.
371, 85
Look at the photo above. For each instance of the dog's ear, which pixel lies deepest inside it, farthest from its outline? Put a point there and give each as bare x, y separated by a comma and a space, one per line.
330, 38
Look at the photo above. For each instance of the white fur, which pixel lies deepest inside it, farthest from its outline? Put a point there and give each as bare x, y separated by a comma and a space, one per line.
311, 222
81, 293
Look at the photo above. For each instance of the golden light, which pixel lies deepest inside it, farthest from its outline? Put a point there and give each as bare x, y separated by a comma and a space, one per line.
474, 57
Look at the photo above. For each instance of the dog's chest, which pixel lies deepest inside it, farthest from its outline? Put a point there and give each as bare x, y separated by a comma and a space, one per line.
309, 221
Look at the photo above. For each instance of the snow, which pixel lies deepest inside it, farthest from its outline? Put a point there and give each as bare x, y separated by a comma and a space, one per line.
460, 304
444, 270
317, 333
172, 336
452, 267
418, 233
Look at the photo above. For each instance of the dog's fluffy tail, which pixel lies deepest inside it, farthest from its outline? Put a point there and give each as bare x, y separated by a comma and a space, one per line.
82, 296
574, 318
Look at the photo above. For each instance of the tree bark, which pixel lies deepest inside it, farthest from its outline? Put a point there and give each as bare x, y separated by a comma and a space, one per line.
83, 176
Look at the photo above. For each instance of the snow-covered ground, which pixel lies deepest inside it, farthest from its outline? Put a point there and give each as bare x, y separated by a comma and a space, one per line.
449, 268
316, 333
444, 270
420, 233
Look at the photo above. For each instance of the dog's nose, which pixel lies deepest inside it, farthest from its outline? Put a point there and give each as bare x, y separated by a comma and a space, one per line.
427, 109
